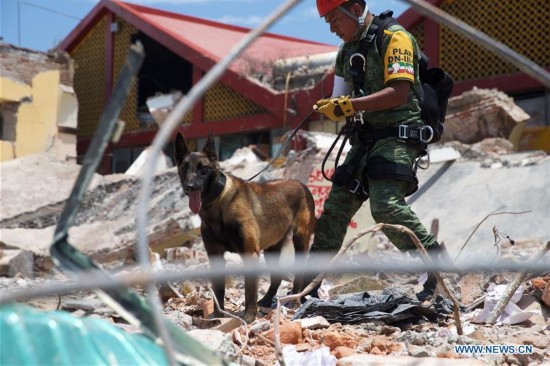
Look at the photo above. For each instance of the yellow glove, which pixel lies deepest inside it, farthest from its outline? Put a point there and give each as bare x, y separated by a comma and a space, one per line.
335, 108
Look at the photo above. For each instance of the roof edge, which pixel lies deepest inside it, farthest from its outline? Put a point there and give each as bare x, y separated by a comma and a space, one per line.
85, 25
135, 8
411, 17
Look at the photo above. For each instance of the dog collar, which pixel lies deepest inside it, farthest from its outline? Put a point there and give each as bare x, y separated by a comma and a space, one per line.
215, 189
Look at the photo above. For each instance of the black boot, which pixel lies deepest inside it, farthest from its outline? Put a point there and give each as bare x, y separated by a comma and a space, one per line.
431, 282
429, 288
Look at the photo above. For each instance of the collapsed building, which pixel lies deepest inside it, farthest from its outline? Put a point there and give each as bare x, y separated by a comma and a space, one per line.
272, 86
268, 90
38, 106
478, 171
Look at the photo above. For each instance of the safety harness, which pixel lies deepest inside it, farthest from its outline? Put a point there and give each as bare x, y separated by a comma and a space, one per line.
419, 132
377, 167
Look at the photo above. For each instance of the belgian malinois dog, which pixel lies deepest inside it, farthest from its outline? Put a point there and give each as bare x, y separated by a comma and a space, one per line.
244, 217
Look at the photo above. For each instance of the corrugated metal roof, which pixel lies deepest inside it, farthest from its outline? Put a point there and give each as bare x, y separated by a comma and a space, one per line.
215, 40
209, 39
204, 43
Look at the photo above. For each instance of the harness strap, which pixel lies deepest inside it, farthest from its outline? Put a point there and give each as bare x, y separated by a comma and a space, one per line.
358, 62
329, 152
420, 132
381, 168
344, 175
417, 133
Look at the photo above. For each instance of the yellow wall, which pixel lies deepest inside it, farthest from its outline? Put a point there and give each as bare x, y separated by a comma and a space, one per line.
6, 150
36, 121
38, 117
13, 91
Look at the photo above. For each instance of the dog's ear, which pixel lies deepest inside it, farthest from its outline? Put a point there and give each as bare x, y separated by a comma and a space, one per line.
180, 149
210, 149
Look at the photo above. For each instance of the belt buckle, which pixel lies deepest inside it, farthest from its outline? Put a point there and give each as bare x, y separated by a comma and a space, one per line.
358, 117
356, 188
403, 131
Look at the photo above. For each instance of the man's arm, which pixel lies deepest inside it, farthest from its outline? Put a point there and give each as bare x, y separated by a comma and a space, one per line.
395, 94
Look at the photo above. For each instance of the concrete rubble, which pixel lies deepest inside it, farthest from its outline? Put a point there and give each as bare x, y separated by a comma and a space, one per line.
104, 226
38, 105
22, 64
482, 113
28, 214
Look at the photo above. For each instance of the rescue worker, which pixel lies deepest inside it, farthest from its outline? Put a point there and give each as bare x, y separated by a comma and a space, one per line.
380, 166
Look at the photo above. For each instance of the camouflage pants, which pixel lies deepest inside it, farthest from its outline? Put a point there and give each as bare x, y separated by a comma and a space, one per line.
387, 202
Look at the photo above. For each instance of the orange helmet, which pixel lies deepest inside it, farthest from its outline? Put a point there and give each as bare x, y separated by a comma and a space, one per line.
326, 6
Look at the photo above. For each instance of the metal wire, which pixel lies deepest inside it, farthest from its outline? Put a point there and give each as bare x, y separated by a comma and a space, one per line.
218, 269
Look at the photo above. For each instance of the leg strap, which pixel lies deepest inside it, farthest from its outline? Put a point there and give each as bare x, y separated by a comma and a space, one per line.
381, 168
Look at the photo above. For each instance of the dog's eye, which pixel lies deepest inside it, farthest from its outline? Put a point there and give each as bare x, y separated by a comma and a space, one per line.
202, 168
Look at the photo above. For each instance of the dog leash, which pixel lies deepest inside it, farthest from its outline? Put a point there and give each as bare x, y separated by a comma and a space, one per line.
284, 146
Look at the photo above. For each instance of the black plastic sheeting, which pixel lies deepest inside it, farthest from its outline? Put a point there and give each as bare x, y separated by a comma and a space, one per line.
390, 306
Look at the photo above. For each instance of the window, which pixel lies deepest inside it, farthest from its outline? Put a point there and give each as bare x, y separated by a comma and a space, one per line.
8, 121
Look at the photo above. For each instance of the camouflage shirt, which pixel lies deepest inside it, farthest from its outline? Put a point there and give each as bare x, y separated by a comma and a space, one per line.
398, 62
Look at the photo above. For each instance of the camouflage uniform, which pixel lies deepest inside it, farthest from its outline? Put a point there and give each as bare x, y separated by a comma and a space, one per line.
387, 196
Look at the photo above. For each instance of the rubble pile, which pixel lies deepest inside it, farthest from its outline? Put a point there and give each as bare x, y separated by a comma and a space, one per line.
104, 226
105, 230
105, 223
481, 113
22, 64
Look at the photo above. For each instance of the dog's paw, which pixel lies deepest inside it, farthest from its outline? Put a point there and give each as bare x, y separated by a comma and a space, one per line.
249, 317
264, 310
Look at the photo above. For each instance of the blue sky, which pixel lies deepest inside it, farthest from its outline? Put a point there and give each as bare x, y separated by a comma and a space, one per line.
42, 24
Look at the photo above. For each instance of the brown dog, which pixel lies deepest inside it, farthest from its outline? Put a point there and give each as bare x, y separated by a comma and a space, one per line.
244, 217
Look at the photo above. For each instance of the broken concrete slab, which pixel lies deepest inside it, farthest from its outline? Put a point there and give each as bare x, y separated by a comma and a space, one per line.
460, 195
34, 182
95, 239
300, 72
160, 106
162, 163
541, 315
16, 262
315, 322
355, 284
216, 340
481, 113
104, 226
